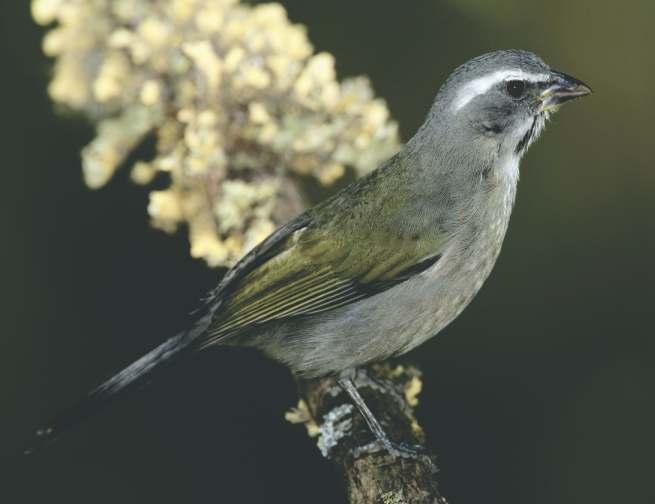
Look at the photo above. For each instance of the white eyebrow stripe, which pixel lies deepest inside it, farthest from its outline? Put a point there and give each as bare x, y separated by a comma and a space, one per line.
483, 84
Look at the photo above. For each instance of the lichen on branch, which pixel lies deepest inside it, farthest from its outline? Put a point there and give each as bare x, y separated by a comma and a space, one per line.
239, 104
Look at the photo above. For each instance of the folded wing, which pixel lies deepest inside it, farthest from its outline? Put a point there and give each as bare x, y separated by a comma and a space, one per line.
307, 273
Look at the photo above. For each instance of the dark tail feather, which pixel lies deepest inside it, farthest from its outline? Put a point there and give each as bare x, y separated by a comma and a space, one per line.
128, 379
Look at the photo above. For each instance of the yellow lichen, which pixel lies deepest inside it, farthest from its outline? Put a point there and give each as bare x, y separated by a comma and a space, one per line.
301, 414
150, 92
412, 390
143, 173
165, 209
238, 103
394, 497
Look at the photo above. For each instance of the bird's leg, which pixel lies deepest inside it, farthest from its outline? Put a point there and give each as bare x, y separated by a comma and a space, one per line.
347, 384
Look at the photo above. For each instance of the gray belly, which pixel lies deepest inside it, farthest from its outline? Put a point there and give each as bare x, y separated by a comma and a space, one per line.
397, 320
392, 322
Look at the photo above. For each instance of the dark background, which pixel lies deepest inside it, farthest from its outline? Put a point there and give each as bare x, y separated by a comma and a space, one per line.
541, 392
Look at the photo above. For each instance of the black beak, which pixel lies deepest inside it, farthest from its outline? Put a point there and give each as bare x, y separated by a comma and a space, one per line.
562, 88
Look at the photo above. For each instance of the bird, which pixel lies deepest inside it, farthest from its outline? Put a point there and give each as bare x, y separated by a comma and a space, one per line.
390, 260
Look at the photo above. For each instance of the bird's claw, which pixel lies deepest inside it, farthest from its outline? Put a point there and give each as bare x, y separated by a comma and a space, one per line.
405, 450
399, 450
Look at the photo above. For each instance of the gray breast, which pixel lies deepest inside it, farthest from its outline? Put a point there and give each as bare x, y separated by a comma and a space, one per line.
399, 319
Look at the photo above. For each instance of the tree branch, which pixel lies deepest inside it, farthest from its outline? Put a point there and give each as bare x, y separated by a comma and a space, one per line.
371, 475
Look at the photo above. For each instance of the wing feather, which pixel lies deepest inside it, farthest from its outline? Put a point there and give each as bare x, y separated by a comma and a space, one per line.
291, 286
320, 262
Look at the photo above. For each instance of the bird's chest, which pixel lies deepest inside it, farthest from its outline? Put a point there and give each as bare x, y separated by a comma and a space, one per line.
478, 242
452, 283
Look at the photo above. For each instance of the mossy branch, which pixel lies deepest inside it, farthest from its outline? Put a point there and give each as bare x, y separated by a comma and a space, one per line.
371, 475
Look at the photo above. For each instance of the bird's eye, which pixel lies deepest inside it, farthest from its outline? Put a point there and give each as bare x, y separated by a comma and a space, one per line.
515, 88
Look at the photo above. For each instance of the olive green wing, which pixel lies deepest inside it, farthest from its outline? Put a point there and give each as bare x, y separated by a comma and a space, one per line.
308, 271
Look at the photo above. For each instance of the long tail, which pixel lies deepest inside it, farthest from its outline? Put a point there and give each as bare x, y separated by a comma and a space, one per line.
126, 380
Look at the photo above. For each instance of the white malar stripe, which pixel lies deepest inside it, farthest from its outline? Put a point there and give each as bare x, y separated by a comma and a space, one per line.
483, 84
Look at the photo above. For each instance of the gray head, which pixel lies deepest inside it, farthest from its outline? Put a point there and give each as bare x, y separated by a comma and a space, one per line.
500, 101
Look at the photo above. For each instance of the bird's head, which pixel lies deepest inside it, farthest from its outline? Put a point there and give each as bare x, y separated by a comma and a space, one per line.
504, 98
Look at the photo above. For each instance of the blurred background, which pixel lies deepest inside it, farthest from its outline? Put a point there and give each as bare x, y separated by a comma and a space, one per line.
541, 392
